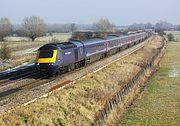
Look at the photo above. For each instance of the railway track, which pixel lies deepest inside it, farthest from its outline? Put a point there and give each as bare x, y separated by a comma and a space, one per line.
17, 78
27, 86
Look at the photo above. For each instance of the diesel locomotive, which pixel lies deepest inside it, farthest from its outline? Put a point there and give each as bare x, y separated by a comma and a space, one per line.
55, 58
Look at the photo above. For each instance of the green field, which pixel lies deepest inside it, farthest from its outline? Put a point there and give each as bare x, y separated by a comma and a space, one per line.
160, 103
175, 33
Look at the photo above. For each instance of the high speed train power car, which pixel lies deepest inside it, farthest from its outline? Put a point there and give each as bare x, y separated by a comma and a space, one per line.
57, 58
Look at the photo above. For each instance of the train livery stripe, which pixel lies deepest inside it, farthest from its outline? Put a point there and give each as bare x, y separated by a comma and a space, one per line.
48, 60
106, 46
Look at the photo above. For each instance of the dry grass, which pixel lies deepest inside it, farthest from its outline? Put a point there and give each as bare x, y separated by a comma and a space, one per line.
19, 45
59, 36
160, 103
77, 104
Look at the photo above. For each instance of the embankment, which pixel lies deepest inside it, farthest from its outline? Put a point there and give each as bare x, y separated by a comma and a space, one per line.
93, 100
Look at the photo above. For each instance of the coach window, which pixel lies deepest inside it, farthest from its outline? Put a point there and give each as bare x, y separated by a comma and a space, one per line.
93, 49
81, 51
98, 47
117, 42
101, 47
111, 44
90, 49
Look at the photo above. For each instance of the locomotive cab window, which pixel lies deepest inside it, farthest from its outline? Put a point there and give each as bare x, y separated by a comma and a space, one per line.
45, 54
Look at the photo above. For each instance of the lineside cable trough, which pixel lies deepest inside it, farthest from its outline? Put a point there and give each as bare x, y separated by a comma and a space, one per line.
60, 85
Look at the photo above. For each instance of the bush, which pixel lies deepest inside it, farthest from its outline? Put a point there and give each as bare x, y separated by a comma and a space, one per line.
177, 40
5, 52
170, 37
55, 40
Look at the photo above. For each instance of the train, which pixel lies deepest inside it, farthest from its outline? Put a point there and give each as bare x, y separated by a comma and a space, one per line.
55, 58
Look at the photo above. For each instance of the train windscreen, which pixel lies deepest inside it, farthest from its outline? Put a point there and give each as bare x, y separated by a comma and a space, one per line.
46, 54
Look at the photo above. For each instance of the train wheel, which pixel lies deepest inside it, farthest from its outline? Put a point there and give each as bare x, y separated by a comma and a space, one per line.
68, 68
72, 67
56, 74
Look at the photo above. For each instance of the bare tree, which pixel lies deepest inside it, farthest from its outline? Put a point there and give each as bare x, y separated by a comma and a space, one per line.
163, 25
148, 25
136, 26
5, 28
104, 25
73, 27
34, 27
178, 27
59, 28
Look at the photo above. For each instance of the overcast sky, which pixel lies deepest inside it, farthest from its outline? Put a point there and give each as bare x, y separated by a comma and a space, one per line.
120, 12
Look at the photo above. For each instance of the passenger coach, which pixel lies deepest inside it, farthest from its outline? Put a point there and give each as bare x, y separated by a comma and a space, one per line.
57, 58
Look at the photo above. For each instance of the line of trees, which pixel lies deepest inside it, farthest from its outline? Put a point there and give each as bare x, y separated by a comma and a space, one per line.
5, 28
32, 27
62, 28
159, 26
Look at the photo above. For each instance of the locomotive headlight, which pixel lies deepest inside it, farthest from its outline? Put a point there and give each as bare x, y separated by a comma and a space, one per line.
37, 64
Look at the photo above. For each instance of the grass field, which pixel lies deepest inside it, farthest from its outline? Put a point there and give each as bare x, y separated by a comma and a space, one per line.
57, 36
175, 33
160, 103
18, 43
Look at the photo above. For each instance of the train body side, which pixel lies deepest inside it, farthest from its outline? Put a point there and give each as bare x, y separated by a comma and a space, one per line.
74, 54
94, 49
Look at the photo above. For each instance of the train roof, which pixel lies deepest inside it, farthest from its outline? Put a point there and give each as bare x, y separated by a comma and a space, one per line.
112, 37
76, 42
63, 45
48, 47
94, 41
